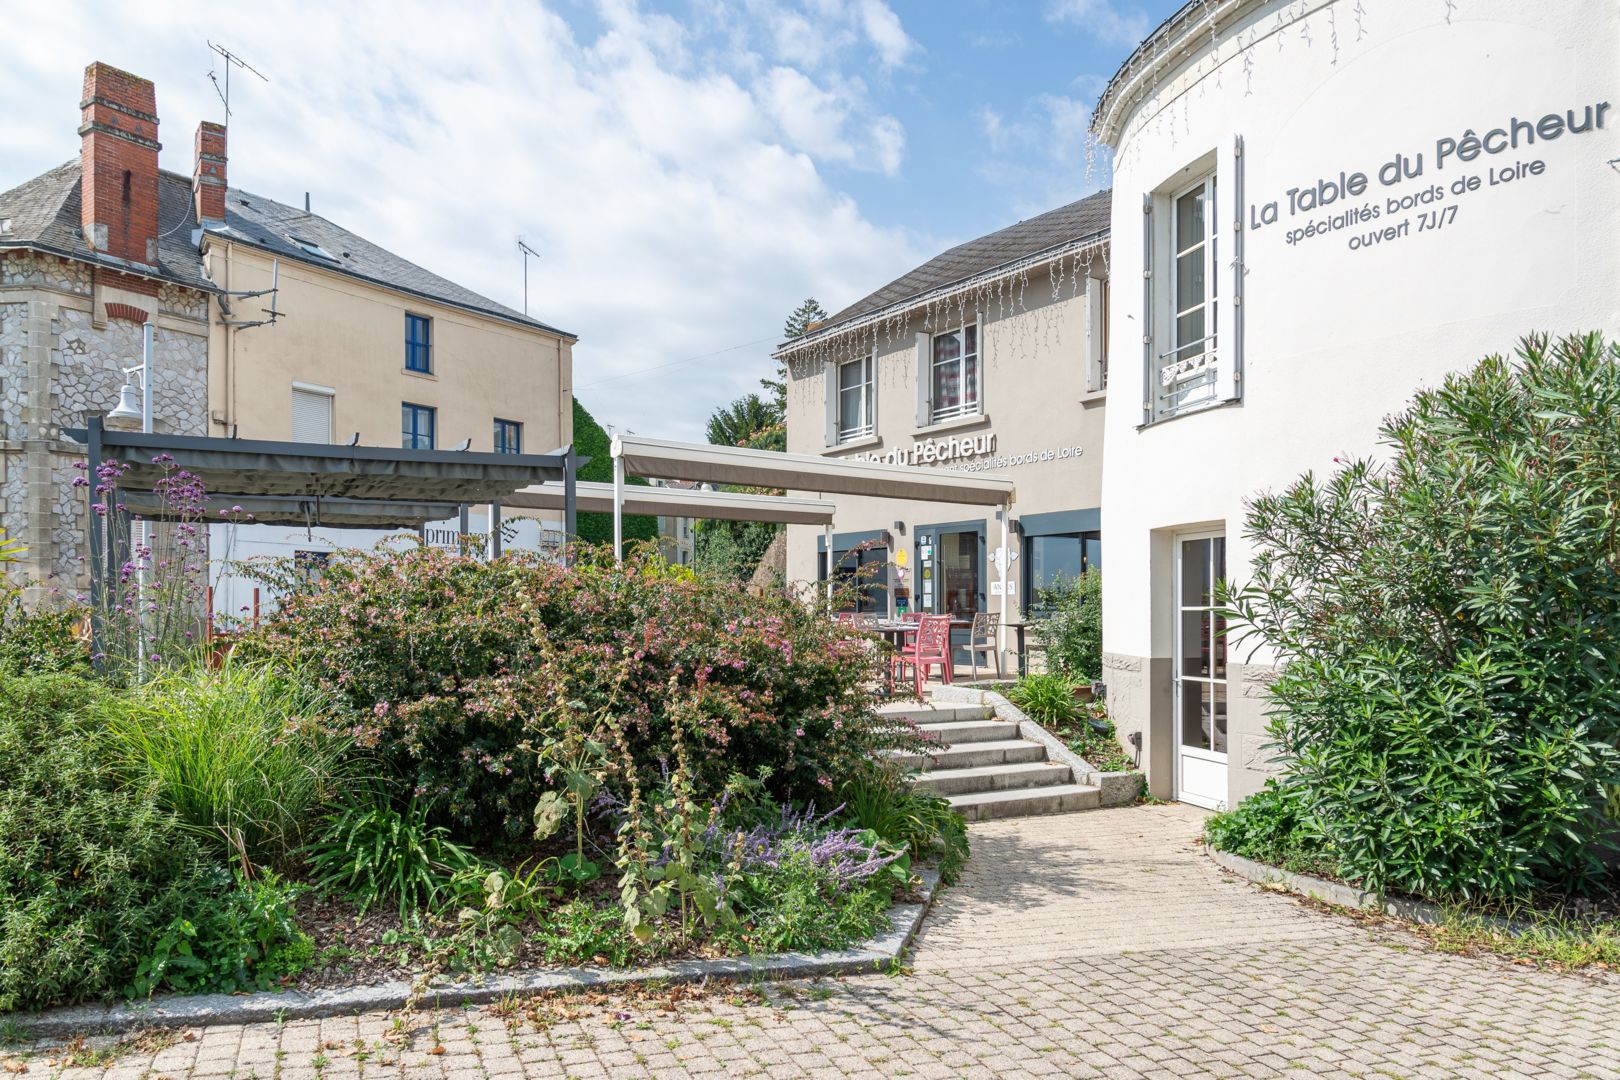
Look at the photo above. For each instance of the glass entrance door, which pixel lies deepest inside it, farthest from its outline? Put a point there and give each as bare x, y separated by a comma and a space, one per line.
1200, 672
959, 574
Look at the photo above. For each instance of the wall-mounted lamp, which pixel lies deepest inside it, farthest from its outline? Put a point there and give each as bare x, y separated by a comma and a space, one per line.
1015, 526
900, 528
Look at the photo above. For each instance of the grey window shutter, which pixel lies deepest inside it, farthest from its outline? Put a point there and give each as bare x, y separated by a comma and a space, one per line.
829, 380
925, 383
311, 416
1150, 374
873, 410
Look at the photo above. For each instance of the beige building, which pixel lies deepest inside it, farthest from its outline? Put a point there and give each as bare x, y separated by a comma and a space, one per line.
990, 357
344, 338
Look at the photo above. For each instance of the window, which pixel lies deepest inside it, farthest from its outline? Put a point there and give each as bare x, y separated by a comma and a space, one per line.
417, 426
311, 413
310, 247
956, 374
508, 436
855, 418
1187, 369
858, 574
1057, 557
418, 343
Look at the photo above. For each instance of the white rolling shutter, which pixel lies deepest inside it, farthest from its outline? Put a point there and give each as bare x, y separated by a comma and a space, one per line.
311, 415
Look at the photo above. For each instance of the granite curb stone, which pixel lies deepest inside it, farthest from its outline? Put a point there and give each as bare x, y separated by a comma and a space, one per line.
197, 1010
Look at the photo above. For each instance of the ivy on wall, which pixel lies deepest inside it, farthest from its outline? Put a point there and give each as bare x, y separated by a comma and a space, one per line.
591, 441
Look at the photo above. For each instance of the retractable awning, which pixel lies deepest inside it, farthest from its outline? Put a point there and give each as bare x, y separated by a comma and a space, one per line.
656, 458
679, 502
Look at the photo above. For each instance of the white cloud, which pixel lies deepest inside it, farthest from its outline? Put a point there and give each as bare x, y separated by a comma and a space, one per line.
680, 205
1112, 23
883, 30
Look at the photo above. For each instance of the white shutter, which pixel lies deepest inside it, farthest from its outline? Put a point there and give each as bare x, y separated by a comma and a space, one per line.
311, 416
925, 383
829, 385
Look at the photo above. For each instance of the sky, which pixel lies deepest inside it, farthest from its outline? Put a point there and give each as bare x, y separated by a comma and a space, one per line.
689, 170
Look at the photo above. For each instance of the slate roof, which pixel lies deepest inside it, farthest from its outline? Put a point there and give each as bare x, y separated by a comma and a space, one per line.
1078, 220
44, 215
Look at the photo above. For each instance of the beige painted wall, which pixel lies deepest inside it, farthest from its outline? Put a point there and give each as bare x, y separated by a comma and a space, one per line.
1035, 355
349, 335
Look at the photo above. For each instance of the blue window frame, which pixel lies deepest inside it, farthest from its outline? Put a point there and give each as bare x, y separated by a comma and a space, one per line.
418, 343
418, 426
508, 436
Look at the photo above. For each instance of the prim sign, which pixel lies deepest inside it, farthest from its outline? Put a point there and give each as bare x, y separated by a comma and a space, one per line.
1416, 200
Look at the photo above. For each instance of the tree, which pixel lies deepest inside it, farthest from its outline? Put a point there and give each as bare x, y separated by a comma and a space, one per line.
595, 527
806, 315
737, 424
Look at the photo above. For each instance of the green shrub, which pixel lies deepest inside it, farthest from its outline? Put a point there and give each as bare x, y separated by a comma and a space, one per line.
1272, 826
41, 640
449, 667
1069, 626
91, 867
244, 938
1083, 726
1449, 628
373, 854
1046, 699
237, 753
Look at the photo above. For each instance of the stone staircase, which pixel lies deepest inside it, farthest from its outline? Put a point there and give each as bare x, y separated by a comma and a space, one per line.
986, 769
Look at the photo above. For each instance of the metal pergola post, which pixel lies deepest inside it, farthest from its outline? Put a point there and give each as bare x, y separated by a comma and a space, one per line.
98, 578
1006, 583
618, 508
827, 531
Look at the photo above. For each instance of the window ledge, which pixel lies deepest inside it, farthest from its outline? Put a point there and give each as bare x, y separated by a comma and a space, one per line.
972, 420
418, 374
861, 443
1199, 411
1092, 396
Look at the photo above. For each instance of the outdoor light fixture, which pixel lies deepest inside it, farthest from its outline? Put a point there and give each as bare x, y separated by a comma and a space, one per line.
900, 528
127, 415
132, 414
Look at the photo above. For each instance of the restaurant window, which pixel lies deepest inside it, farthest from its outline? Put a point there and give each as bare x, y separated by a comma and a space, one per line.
1186, 369
858, 578
418, 344
856, 415
954, 374
1051, 560
418, 423
508, 436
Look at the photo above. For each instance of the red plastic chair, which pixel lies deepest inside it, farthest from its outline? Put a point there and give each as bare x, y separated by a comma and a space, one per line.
930, 645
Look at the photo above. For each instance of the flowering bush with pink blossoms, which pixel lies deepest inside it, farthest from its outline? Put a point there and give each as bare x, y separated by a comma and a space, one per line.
484, 684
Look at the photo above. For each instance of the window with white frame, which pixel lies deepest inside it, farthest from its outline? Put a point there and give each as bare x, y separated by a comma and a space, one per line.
1186, 360
855, 412
954, 371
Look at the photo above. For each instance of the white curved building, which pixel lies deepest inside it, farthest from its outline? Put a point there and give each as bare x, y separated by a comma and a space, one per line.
1328, 204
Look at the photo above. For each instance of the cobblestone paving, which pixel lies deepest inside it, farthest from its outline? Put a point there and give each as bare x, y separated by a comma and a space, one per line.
1095, 944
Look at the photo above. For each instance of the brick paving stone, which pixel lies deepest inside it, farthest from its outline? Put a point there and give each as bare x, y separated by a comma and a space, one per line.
1095, 944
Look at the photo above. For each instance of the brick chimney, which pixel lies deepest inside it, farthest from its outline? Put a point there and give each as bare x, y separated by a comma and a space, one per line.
118, 157
208, 173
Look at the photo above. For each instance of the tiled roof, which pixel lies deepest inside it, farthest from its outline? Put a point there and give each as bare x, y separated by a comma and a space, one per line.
44, 215
1085, 218
276, 227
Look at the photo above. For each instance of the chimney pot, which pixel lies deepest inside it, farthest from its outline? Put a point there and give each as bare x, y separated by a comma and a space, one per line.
118, 163
208, 173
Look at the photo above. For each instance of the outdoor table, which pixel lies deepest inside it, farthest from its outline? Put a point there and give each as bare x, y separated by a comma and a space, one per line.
893, 631
1018, 626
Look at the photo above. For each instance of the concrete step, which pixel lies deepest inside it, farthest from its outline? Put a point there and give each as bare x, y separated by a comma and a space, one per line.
1026, 802
936, 714
1029, 774
973, 755
956, 732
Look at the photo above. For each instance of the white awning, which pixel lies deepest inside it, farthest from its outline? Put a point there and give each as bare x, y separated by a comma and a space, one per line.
805, 472
677, 502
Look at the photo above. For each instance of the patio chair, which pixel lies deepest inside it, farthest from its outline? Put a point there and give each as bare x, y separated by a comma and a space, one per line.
844, 618
982, 639
911, 616
930, 645
866, 621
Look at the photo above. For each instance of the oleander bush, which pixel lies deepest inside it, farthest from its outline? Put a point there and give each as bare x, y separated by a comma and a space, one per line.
1448, 623
481, 685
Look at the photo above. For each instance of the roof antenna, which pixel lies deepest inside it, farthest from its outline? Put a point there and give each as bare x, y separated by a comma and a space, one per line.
231, 60
527, 251
273, 292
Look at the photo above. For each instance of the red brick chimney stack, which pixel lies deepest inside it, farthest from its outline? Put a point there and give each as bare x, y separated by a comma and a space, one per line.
118, 156
208, 174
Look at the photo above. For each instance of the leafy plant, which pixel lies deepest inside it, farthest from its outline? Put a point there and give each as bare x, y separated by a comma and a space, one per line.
1046, 699
1448, 625
1272, 826
910, 819
237, 753
244, 938
375, 854
90, 865
42, 639
1069, 626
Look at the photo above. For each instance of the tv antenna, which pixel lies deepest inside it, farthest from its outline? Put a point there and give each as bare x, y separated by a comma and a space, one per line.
231, 60
527, 251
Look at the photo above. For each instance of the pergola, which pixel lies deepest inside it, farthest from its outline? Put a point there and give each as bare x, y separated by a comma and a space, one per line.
678, 502
662, 459
314, 484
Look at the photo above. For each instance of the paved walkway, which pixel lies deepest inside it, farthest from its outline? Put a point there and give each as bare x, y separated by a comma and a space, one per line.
1095, 944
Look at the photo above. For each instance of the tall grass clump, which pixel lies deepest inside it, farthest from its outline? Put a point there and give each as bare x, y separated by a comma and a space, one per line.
239, 754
